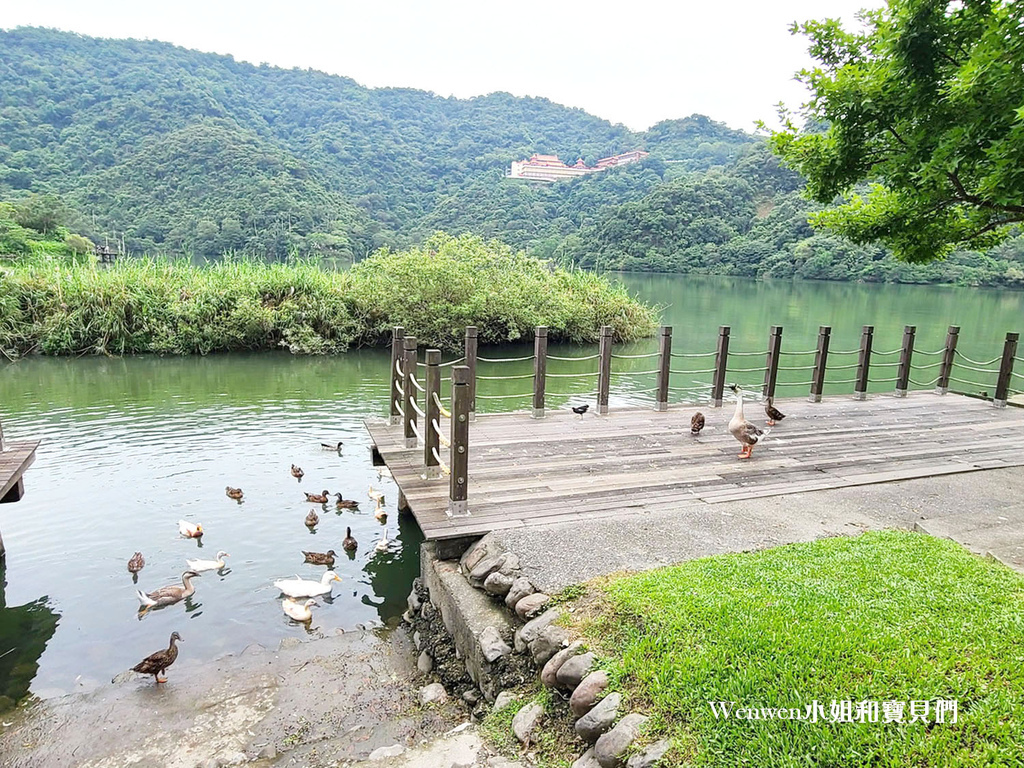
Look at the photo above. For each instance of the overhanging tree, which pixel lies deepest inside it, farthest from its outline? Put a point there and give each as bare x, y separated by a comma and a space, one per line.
927, 105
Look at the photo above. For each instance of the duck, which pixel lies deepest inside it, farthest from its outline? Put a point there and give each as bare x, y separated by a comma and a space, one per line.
317, 498
383, 471
168, 595
233, 493
383, 544
349, 544
158, 662
208, 565
344, 503
296, 611
297, 472
773, 413
332, 447
312, 519
579, 410
136, 563
320, 558
307, 588
190, 530
741, 429
380, 513
697, 423
375, 495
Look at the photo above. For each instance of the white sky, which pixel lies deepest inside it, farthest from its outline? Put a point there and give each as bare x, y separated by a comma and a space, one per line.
632, 63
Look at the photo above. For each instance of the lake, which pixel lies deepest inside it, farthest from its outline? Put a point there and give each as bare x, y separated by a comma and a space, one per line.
133, 445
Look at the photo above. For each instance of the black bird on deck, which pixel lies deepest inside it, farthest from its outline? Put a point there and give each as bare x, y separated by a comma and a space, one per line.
773, 413
579, 410
697, 423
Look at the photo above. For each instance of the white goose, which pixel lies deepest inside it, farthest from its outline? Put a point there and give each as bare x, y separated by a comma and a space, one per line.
383, 544
208, 565
741, 429
190, 530
306, 587
298, 611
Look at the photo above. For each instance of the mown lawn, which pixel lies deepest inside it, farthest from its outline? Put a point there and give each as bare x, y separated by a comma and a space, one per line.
886, 616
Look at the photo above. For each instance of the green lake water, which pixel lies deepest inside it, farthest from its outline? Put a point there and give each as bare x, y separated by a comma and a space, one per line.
133, 445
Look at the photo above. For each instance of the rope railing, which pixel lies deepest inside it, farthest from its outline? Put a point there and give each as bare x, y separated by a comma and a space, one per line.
885, 365
692, 373
572, 375
417, 408
456, 361
694, 354
787, 352
635, 373
440, 434
504, 359
745, 354
931, 383
978, 370
444, 467
922, 352
505, 378
843, 352
630, 357
748, 370
881, 381
842, 367
796, 367
971, 383
977, 362
925, 367
398, 367
412, 425
440, 406
842, 381
412, 378
401, 411
573, 359
890, 352
504, 397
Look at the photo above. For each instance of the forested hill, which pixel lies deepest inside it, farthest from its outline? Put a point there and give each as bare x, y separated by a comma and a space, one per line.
184, 150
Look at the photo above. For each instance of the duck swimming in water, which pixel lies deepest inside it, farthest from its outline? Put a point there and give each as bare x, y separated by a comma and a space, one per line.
317, 498
168, 595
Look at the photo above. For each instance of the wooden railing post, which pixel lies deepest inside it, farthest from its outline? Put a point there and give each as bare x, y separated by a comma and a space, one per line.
860, 386
906, 358
664, 364
721, 363
431, 443
458, 488
409, 368
2, 448
948, 354
604, 369
540, 369
771, 363
397, 334
471, 345
1005, 370
820, 363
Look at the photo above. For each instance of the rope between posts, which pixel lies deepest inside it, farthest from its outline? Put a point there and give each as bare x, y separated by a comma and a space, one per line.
398, 387
635, 373
931, 383
884, 365
694, 354
572, 375
745, 354
746, 370
441, 464
452, 362
936, 352
642, 391
795, 384
978, 362
412, 425
962, 381
412, 378
417, 408
926, 367
398, 367
634, 357
890, 352
505, 359
440, 406
571, 394
843, 352
1017, 375
575, 359
401, 410
808, 352
978, 370
843, 367
688, 373
506, 378
504, 397
881, 381
843, 381
796, 367
440, 437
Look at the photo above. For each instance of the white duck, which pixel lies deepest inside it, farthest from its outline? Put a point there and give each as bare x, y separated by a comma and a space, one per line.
298, 611
190, 530
306, 587
383, 544
375, 495
208, 565
741, 429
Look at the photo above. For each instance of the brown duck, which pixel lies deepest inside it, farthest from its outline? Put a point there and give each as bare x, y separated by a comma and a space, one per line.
297, 472
317, 498
233, 493
349, 543
158, 662
697, 423
137, 563
312, 519
773, 413
320, 558
344, 503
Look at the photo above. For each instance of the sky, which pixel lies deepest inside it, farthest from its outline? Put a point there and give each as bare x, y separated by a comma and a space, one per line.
632, 63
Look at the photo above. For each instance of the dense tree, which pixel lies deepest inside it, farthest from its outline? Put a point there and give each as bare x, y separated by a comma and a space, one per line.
928, 104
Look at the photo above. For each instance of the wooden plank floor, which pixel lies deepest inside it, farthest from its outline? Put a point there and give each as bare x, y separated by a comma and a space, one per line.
14, 460
525, 471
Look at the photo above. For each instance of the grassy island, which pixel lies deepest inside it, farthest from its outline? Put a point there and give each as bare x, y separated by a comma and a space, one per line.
57, 301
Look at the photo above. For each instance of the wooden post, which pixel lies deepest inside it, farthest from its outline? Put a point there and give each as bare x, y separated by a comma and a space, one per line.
604, 370
906, 357
471, 345
540, 369
820, 363
431, 443
948, 353
771, 363
721, 363
664, 364
397, 334
860, 386
2, 448
1005, 369
458, 505
409, 367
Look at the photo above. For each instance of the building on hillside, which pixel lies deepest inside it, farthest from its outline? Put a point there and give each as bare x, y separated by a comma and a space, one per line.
550, 168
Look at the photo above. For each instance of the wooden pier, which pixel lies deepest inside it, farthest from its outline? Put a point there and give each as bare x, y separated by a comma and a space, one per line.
15, 459
525, 471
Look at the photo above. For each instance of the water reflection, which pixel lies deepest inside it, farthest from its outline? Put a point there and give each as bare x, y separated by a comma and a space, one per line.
24, 632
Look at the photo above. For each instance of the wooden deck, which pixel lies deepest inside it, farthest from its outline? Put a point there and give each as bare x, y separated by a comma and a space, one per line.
525, 471
14, 460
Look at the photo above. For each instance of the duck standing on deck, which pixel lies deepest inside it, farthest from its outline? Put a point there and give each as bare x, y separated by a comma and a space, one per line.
696, 423
741, 429
773, 413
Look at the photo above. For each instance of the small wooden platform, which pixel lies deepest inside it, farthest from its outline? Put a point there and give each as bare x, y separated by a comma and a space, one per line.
14, 460
525, 471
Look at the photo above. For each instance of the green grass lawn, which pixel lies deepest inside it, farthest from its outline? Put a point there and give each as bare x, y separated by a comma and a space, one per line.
886, 616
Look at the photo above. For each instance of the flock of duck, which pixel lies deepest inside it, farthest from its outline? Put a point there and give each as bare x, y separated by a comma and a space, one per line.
299, 593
